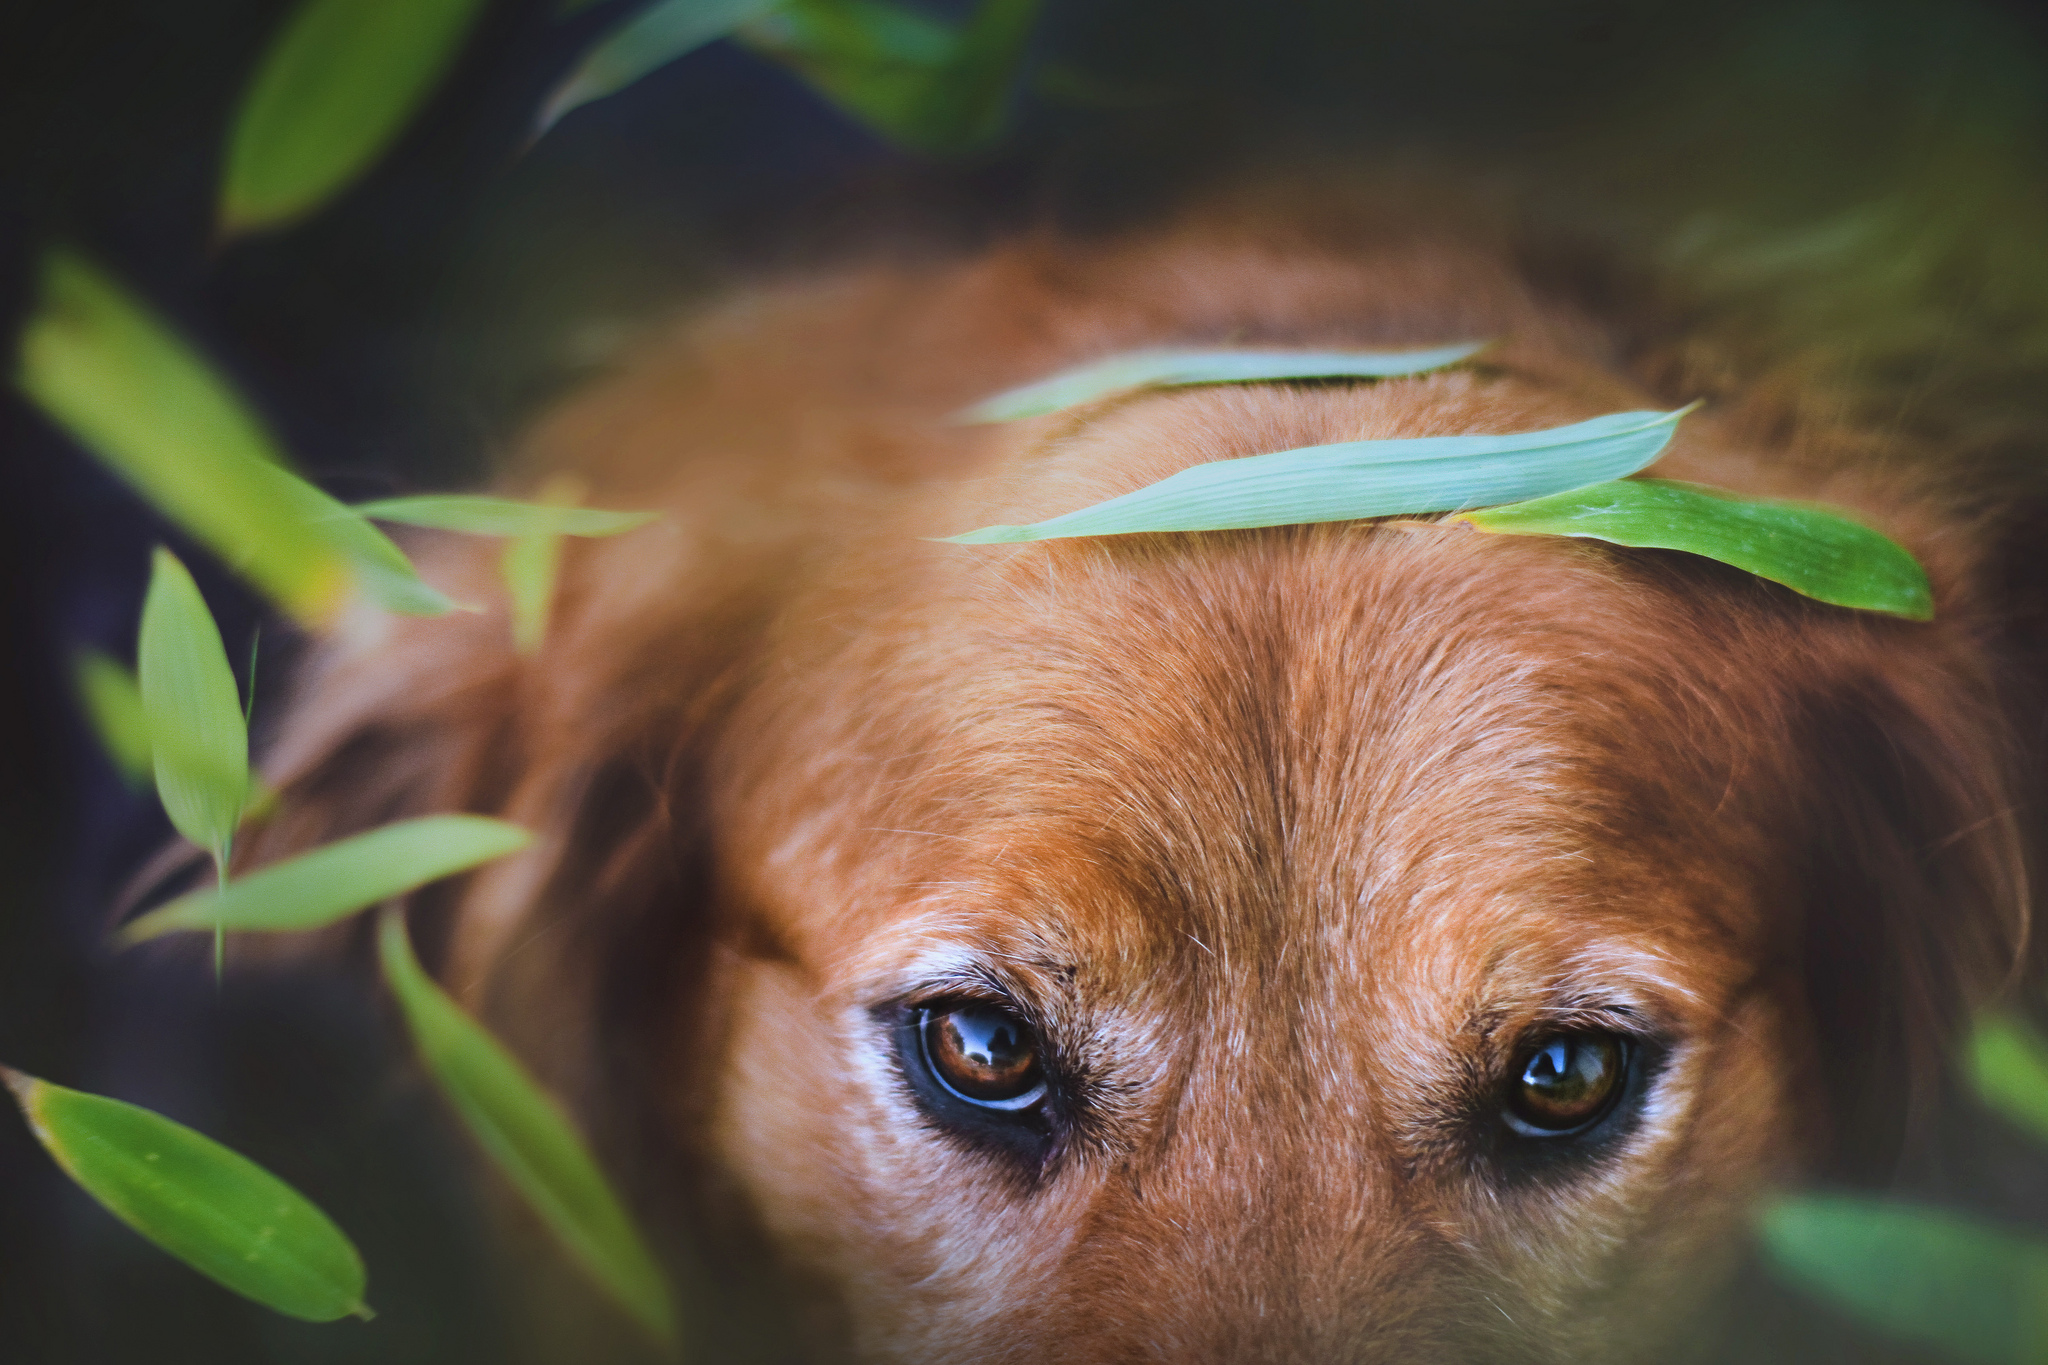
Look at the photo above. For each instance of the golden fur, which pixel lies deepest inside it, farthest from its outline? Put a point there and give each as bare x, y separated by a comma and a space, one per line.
1287, 836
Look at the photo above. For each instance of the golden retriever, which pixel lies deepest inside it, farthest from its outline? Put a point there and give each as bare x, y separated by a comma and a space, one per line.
1345, 943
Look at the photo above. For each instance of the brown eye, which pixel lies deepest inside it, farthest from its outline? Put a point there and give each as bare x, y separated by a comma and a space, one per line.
1565, 1083
983, 1054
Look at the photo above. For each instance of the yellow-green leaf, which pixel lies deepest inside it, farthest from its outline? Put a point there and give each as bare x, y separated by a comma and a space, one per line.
337, 879
1811, 550
336, 87
644, 43
2008, 1064
529, 1137
128, 389
213, 1209
485, 516
1974, 1292
113, 703
198, 738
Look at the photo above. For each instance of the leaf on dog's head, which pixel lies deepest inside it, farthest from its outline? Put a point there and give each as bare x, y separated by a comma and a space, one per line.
1811, 550
2008, 1065
1355, 479
525, 1132
212, 1208
486, 516
1172, 368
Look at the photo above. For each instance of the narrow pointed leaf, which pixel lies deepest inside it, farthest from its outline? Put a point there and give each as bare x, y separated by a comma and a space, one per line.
198, 739
531, 565
1809, 549
650, 40
529, 1137
113, 702
337, 86
336, 880
380, 570
483, 516
1169, 368
124, 385
2008, 1064
1976, 1293
213, 1209
1356, 479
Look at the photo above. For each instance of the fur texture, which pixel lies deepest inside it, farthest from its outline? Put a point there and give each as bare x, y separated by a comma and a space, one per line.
1286, 839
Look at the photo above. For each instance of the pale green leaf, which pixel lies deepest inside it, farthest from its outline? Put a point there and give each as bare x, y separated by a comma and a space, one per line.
1354, 479
484, 516
380, 569
337, 86
2008, 1064
530, 566
113, 702
1976, 1293
648, 41
529, 1137
128, 389
1809, 549
213, 1209
198, 739
1169, 368
336, 880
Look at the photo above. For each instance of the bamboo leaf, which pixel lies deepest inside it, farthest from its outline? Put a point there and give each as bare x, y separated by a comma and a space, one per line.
336, 880
1356, 479
529, 1138
1975, 1292
1170, 368
1811, 550
2009, 1067
198, 739
128, 389
648, 41
213, 1209
335, 89
113, 703
530, 566
380, 569
484, 516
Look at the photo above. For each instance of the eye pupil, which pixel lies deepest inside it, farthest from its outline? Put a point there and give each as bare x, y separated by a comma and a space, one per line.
1567, 1082
982, 1053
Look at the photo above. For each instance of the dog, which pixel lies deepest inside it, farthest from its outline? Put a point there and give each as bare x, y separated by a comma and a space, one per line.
1361, 942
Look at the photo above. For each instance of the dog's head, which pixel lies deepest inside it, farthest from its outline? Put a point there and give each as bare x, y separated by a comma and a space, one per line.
1355, 942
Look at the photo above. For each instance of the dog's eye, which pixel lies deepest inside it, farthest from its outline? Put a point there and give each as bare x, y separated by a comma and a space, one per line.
1566, 1083
983, 1054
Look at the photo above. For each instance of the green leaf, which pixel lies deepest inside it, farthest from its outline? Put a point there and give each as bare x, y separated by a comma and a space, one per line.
1809, 549
2008, 1064
113, 702
216, 1211
1354, 479
529, 1137
128, 389
336, 87
381, 571
530, 566
483, 516
1975, 1292
1168, 368
336, 880
198, 738
648, 41
932, 87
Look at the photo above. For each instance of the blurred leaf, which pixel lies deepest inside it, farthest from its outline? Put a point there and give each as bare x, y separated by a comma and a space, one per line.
532, 563
1974, 1292
935, 88
1809, 549
2009, 1067
337, 86
1354, 479
502, 516
113, 702
648, 41
215, 1210
130, 391
336, 880
198, 738
380, 569
1167, 368
529, 1137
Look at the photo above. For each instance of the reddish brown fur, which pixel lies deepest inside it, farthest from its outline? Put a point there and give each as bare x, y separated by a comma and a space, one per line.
1288, 835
